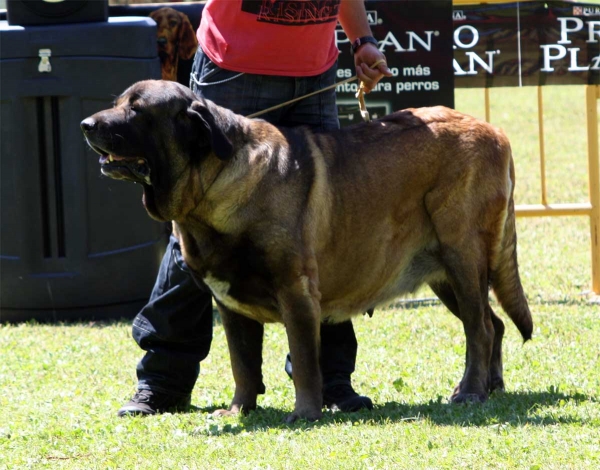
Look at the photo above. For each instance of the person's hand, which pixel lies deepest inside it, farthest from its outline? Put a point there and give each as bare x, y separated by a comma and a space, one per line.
364, 58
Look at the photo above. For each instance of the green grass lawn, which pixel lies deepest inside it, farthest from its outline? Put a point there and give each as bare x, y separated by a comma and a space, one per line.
62, 384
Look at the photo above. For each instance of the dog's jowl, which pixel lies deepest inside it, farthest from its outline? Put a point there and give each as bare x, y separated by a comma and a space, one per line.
293, 226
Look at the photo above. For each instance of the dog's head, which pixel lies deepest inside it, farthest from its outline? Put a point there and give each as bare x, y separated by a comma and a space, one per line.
156, 133
176, 39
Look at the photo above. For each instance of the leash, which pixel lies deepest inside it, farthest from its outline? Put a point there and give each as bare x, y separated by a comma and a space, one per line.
360, 95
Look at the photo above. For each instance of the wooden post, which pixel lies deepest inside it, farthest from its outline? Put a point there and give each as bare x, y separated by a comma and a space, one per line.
592, 96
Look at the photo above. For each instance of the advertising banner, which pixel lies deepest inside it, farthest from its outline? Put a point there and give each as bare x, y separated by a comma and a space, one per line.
526, 43
432, 47
416, 37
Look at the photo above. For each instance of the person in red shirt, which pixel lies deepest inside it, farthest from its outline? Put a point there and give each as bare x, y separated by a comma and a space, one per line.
252, 55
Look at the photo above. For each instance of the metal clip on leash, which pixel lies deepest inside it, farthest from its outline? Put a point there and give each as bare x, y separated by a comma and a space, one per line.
360, 94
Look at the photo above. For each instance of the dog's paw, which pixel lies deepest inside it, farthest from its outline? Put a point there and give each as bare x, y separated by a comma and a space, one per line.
309, 416
223, 412
461, 397
234, 410
463, 393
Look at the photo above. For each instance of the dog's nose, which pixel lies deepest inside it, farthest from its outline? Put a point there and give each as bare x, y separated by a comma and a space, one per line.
162, 41
88, 125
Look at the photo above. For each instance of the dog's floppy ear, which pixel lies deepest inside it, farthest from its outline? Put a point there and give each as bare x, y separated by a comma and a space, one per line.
187, 38
220, 143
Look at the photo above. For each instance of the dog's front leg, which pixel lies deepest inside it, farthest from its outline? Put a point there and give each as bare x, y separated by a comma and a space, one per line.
301, 314
244, 339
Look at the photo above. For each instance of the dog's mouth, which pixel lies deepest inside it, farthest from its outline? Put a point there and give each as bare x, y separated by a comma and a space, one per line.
125, 168
134, 169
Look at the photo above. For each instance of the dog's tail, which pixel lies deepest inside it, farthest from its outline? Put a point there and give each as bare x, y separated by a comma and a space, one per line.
505, 279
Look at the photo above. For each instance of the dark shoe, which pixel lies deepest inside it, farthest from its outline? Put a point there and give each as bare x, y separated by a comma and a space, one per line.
147, 402
342, 397
288, 366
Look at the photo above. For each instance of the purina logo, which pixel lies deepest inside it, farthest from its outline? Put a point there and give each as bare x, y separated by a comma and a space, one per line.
586, 11
372, 17
458, 15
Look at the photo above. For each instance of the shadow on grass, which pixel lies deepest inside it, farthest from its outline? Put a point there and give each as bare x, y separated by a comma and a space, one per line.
501, 411
93, 322
509, 409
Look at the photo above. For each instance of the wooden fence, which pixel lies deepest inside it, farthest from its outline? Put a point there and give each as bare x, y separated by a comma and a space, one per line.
590, 209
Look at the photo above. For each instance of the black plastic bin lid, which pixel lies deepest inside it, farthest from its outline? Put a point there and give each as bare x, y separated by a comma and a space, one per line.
118, 37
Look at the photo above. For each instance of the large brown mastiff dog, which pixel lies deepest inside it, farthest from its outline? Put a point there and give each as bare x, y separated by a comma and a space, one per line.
293, 226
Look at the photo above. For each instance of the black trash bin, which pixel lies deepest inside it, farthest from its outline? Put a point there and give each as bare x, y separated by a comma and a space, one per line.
73, 244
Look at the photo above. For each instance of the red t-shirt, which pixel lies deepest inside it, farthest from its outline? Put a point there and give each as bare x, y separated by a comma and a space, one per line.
270, 37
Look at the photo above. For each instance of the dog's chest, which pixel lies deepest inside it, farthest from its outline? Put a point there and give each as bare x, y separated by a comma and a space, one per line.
238, 276
250, 295
232, 297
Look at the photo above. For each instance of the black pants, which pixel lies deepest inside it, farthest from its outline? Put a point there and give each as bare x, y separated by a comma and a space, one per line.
175, 330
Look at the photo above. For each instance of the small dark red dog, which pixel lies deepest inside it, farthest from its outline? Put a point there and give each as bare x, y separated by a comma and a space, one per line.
295, 226
176, 40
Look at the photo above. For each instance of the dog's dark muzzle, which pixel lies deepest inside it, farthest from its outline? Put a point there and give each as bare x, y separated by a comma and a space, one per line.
134, 169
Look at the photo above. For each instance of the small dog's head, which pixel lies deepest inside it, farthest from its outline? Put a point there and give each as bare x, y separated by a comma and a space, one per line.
155, 134
176, 40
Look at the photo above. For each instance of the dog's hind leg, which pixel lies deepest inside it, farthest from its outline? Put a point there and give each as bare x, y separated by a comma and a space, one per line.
244, 339
496, 375
445, 293
467, 277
